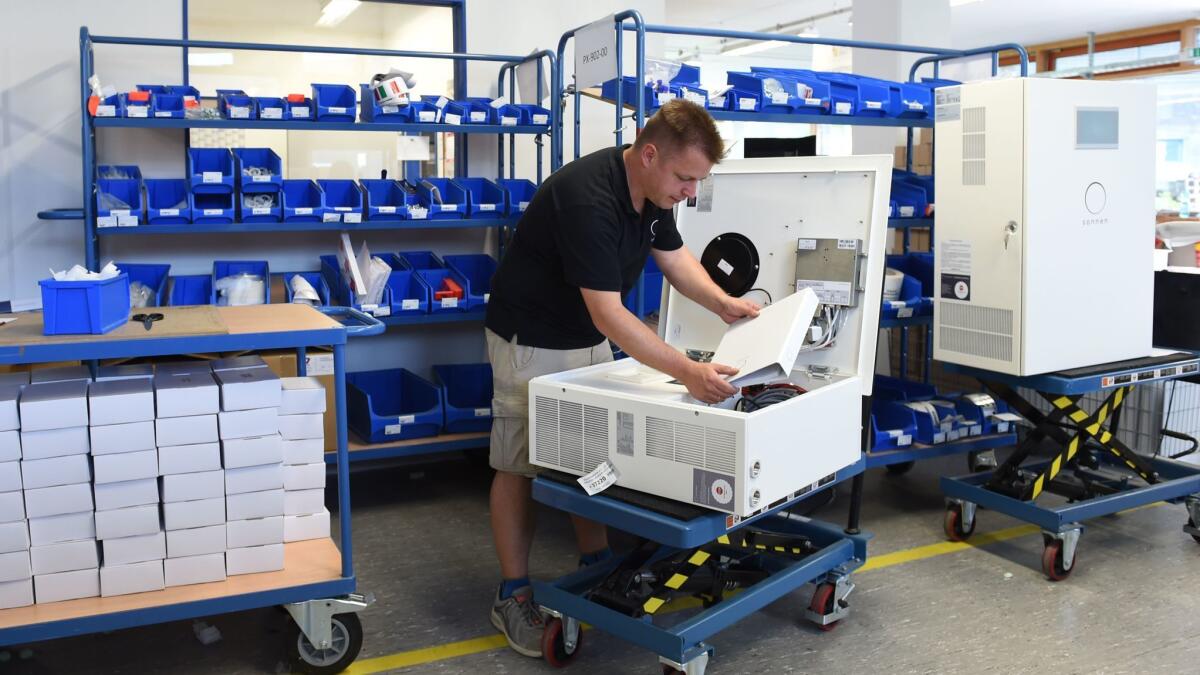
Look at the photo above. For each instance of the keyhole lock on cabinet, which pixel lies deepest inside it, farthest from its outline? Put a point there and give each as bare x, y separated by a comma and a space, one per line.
1009, 230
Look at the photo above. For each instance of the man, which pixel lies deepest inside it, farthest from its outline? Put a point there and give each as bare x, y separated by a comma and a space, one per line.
556, 297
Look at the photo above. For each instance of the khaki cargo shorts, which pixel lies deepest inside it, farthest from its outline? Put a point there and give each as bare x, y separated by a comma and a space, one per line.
513, 366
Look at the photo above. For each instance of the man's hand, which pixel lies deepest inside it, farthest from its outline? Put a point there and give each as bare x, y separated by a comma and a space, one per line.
705, 383
732, 309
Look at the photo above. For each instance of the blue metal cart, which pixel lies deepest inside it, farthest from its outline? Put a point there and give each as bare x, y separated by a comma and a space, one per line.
1097, 473
317, 587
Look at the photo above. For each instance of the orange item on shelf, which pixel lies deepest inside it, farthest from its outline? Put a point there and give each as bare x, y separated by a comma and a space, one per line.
450, 289
191, 103
93, 103
295, 98
140, 96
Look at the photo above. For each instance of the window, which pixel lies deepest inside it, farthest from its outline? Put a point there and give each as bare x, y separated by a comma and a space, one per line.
1177, 166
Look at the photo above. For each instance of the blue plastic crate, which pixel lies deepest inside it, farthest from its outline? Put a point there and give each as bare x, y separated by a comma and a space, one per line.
433, 280
514, 114
389, 199
128, 191
84, 307
339, 287
303, 201
909, 100
210, 170
895, 389
370, 111
119, 172
855, 95
212, 208
981, 420
450, 201
478, 269
166, 106
685, 84
392, 405
913, 194
334, 102
234, 104
110, 106
191, 289
911, 301
421, 260
467, 396
805, 91
485, 199
226, 268
300, 109
153, 276
758, 92
318, 281
651, 289
892, 425
409, 294
343, 199
251, 209
518, 192
468, 111
167, 201
131, 108
246, 159
269, 107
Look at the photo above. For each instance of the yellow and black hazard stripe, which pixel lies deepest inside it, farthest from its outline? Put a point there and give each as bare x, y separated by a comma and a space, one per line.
1106, 439
686, 569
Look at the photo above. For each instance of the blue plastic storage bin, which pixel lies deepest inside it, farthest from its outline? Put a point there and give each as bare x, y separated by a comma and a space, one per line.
911, 100
892, 425
248, 159
855, 95
434, 279
167, 201
299, 110
468, 111
129, 192
212, 208
84, 307
269, 107
166, 106
226, 268
913, 194
131, 108
389, 199
210, 170
110, 106
340, 292
334, 102
303, 201
758, 92
421, 260
651, 289
319, 283
980, 422
444, 199
685, 84
478, 269
806, 92
344, 199
252, 208
234, 104
392, 405
518, 192
370, 111
409, 295
485, 199
511, 115
191, 289
152, 276
467, 396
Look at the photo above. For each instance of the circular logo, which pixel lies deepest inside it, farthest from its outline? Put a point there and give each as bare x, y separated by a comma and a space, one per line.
1095, 198
722, 491
961, 290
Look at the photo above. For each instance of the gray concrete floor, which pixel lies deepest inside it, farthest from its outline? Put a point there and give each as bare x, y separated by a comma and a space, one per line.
422, 546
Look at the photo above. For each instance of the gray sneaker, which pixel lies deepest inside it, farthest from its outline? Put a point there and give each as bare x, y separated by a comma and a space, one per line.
520, 620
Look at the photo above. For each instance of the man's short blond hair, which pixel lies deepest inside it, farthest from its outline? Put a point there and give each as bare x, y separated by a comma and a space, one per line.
679, 124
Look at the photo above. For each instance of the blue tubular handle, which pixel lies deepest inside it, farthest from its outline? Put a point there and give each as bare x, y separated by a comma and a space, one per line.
363, 324
61, 214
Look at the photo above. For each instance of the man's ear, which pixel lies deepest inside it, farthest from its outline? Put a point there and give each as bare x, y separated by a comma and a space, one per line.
648, 153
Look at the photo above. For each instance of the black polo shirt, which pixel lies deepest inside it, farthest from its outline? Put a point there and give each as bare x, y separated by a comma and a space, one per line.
579, 231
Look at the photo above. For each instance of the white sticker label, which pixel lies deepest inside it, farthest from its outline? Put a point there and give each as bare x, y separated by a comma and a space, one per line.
697, 98
352, 218
449, 303
332, 217
406, 419
106, 221
303, 210
168, 212
338, 110
389, 109
915, 105
162, 113
904, 312
261, 211
418, 212
483, 412
499, 102
664, 96
382, 311
211, 177
410, 303
487, 297
779, 98
368, 307
213, 212
812, 101
976, 430
260, 179
1007, 417
907, 211
119, 212
126, 220
747, 103
392, 429
441, 102
806, 245
828, 292
386, 209
725, 267
448, 207
956, 256
842, 108
541, 119
106, 111
939, 437
508, 121
599, 479
427, 116
487, 207
451, 118
847, 244
342, 208
239, 112
272, 113
478, 116
521, 206
904, 440
137, 111
874, 105
301, 112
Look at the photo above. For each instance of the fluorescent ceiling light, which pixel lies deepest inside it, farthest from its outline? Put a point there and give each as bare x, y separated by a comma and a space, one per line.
336, 11
960, 3
754, 47
210, 58
809, 34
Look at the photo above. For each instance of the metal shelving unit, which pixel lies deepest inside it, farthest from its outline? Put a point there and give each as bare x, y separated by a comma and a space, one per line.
251, 228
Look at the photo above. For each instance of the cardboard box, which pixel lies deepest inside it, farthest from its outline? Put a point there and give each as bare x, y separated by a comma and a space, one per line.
42, 473
238, 363
304, 476
118, 438
143, 547
16, 594
301, 396
253, 479
66, 556
120, 401
63, 527
255, 505
124, 494
300, 528
10, 476
125, 466
307, 451
10, 418
922, 155
132, 371
189, 458
61, 374
15, 566
248, 388
198, 513
303, 502
301, 427
128, 522
186, 487
54, 443
254, 559
12, 506
185, 395
182, 368
14, 536
254, 532
242, 452
196, 569
57, 405
58, 500
10, 445
134, 578
196, 541
66, 586
192, 430
248, 423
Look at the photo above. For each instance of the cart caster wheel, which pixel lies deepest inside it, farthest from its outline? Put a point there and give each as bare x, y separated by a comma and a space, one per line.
1052, 561
953, 526
1192, 523
556, 648
822, 603
900, 468
343, 649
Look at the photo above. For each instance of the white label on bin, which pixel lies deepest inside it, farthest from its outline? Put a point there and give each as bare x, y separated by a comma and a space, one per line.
508, 121
664, 96
427, 116
261, 210
382, 311
904, 312
725, 267
746, 103
483, 412
392, 429
137, 111
126, 220
418, 212
541, 119
368, 307
487, 297
441, 102
451, 118
168, 212
487, 207
106, 111
449, 303
907, 211
272, 113
389, 109
260, 179
338, 110
239, 112
448, 207
478, 116
779, 98
119, 212
386, 209
812, 101
106, 221
976, 430
332, 217
212, 212
697, 98
410, 303
211, 177
341, 208
874, 105
303, 211
842, 108
352, 218
498, 103
915, 105
300, 112
521, 206
406, 419
162, 113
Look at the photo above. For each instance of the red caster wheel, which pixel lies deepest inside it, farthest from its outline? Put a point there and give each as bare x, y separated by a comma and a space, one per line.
823, 603
558, 648
953, 524
1052, 561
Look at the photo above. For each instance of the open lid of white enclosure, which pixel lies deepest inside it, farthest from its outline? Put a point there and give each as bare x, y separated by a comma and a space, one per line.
755, 218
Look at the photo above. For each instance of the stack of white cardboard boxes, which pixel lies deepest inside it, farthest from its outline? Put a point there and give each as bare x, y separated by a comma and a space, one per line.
301, 424
16, 576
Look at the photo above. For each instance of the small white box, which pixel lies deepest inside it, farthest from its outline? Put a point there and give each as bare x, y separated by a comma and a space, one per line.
64, 527
10, 445
254, 505
66, 556
198, 513
186, 487
54, 443
254, 559
307, 451
134, 578
10, 476
242, 452
128, 522
248, 388
57, 405
15, 566
185, 395
253, 479
192, 430
67, 585
58, 500
125, 466
301, 427
14, 536
10, 394
60, 374
120, 402
117, 438
42, 473
16, 593
136, 371
196, 569
12, 506
300, 528
183, 368
189, 458
303, 502
238, 363
248, 423
304, 476
301, 395
195, 541
254, 532
140, 548
111, 496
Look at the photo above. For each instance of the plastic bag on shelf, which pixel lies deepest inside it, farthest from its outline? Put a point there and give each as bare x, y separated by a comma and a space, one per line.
376, 276
81, 273
263, 200
111, 202
660, 73
140, 295
240, 289
114, 172
303, 292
